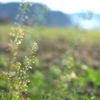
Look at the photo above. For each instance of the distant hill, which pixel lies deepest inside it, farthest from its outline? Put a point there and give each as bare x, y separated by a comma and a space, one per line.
39, 14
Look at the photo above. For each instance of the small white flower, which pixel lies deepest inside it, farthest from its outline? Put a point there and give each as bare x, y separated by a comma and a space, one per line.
35, 47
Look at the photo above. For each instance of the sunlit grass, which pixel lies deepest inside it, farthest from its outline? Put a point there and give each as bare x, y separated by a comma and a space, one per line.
51, 33
50, 79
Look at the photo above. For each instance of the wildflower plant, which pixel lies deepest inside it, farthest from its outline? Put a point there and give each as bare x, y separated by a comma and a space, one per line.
16, 77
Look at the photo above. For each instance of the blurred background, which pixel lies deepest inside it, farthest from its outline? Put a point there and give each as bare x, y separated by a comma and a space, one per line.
53, 25
54, 13
56, 30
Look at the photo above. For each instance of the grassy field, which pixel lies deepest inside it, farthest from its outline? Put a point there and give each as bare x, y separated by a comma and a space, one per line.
52, 33
58, 41
54, 43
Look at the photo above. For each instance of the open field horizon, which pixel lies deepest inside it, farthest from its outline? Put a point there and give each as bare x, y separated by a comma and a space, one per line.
66, 64
58, 40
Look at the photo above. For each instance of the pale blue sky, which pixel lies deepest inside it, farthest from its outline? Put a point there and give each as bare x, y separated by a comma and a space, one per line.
68, 6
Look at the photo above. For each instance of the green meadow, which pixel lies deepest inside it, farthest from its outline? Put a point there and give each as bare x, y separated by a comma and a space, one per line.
51, 78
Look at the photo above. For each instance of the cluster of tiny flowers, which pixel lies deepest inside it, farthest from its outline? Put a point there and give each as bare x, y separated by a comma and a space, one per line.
16, 76
17, 35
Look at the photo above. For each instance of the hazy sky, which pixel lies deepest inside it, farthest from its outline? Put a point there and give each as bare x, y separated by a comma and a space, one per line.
68, 6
